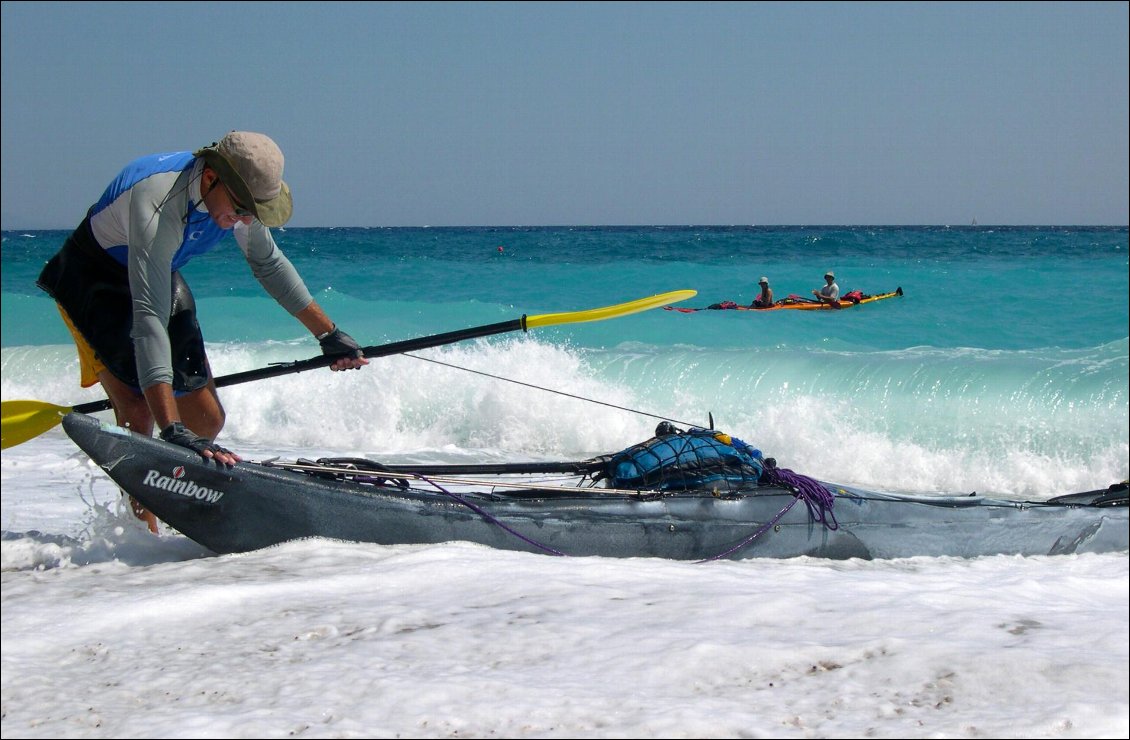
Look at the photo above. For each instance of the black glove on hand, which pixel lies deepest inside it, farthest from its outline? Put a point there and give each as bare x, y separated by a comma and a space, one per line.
338, 343
178, 434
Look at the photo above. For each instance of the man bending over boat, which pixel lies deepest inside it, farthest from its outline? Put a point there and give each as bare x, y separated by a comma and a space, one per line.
135, 328
830, 293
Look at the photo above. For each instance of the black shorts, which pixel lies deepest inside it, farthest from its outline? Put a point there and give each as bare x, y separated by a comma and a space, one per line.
93, 288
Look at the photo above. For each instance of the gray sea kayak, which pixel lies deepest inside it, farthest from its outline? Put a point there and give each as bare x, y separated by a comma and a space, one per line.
255, 505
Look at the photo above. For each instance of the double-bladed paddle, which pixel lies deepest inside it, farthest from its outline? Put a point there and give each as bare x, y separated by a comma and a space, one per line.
24, 420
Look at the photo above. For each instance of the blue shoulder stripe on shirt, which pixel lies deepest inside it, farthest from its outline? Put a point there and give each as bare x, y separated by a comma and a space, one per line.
138, 170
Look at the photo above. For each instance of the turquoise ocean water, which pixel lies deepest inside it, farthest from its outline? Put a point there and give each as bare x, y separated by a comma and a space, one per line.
1002, 369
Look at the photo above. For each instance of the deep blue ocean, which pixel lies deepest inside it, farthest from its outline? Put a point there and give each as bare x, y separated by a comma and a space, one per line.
1002, 369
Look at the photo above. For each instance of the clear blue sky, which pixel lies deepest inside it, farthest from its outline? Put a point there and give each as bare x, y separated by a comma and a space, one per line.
441, 114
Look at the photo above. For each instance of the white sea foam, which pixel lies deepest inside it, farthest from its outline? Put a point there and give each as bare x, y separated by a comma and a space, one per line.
921, 421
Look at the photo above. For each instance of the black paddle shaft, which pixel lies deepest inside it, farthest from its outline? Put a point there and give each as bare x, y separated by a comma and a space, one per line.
378, 350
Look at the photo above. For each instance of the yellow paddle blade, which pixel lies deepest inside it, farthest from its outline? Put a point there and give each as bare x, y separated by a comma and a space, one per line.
609, 312
26, 419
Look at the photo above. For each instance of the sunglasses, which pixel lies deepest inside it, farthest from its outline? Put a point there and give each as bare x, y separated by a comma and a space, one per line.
237, 208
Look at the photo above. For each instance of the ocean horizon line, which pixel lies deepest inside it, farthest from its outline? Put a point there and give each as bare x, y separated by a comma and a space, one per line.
487, 227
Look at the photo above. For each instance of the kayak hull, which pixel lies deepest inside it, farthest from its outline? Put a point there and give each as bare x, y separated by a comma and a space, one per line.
252, 506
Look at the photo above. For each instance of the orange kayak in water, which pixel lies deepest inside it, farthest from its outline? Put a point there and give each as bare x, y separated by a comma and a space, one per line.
795, 302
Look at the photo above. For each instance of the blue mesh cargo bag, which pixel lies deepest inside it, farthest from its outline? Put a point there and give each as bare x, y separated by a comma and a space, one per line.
698, 458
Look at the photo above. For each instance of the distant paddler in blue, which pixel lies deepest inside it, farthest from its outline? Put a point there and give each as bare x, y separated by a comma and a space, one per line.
830, 293
135, 328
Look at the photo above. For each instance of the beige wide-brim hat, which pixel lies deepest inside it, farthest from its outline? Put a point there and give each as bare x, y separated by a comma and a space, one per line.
251, 165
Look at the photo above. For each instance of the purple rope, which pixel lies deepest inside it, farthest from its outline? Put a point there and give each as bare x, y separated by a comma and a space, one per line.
816, 497
493, 520
760, 531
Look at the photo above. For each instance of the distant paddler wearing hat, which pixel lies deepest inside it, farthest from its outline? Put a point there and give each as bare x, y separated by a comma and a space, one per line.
830, 293
765, 299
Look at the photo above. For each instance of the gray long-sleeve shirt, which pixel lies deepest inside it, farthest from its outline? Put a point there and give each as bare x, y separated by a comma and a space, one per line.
152, 219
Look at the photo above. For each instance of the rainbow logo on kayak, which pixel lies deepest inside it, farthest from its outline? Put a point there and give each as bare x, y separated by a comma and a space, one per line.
177, 484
